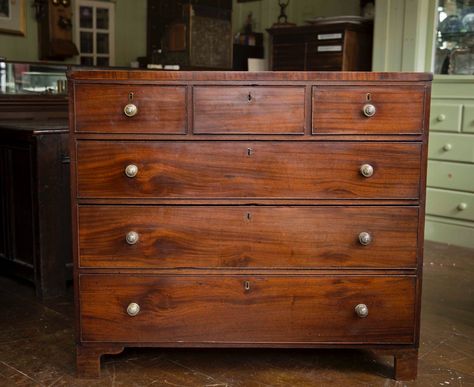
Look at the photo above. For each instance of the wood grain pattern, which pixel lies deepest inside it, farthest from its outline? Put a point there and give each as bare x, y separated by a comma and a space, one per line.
274, 309
247, 237
161, 109
250, 109
131, 76
338, 110
226, 170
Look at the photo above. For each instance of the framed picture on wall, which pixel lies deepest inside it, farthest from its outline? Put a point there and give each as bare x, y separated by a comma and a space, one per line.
12, 17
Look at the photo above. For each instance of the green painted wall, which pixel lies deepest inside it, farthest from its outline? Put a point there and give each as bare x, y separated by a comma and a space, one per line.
130, 35
265, 13
21, 48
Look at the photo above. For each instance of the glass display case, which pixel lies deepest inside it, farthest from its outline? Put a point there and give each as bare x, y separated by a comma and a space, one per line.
32, 78
454, 48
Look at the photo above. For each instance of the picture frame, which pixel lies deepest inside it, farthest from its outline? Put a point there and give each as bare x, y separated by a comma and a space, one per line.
12, 17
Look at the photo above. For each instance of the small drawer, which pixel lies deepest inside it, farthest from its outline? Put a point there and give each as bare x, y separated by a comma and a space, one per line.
105, 108
248, 170
247, 309
445, 117
249, 110
247, 237
392, 109
456, 176
450, 204
451, 147
468, 119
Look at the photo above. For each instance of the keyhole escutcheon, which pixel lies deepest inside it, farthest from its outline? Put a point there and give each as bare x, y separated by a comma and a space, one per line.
247, 285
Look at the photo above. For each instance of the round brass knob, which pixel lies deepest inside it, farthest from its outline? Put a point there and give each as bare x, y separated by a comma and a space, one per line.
131, 170
447, 147
133, 309
462, 206
367, 170
362, 310
132, 237
130, 110
441, 117
369, 110
365, 238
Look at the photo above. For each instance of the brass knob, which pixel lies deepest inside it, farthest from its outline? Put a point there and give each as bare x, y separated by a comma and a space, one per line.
369, 110
447, 147
441, 117
462, 206
130, 110
132, 237
365, 238
131, 170
362, 310
133, 309
366, 170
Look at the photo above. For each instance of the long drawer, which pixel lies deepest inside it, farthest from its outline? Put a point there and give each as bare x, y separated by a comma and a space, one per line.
247, 237
246, 309
224, 169
388, 110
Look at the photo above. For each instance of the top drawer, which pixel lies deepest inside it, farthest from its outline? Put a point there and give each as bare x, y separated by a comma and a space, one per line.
130, 109
368, 109
249, 110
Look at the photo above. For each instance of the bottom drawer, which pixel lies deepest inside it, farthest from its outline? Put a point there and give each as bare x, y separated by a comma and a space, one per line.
247, 309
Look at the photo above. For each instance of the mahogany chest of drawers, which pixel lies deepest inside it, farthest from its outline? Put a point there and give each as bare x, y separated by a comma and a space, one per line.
232, 209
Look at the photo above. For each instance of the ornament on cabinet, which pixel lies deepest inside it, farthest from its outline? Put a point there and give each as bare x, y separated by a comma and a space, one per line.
55, 29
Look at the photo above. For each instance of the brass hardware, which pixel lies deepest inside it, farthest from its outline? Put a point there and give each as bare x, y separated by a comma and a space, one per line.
133, 309
447, 147
247, 285
369, 110
130, 110
441, 117
132, 237
365, 238
250, 151
462, 206
366, 170
361, 310
131, 170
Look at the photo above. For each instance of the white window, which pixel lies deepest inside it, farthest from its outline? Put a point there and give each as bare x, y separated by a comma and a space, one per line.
94, 21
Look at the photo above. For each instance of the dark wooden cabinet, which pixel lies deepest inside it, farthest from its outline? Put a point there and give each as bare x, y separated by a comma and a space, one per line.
35, 243
190, 33
262, 210
324, 46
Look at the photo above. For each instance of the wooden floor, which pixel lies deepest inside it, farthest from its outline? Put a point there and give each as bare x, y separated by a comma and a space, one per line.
37, 345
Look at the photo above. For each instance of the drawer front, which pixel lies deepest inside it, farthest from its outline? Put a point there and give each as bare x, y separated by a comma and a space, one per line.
247, 309
160, 109
445, 117
276, 170
450, 204
468, 119
457, 176
449, 147
249, 109
340, 109
240, 237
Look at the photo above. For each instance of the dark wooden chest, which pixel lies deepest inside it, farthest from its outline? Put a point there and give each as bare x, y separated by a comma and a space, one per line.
248, 210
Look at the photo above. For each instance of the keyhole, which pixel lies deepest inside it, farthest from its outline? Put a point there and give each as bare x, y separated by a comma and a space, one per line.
247, 286
249, 151
249, 97
368, 97
248, 216
130, 96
